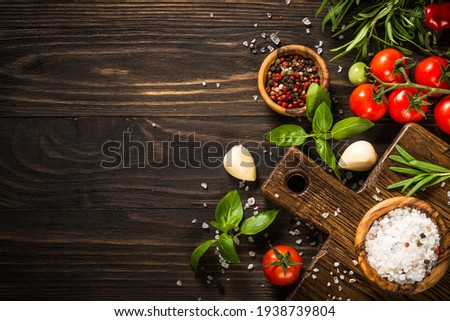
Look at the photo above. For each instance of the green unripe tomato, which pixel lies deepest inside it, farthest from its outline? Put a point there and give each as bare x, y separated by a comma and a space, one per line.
357, 73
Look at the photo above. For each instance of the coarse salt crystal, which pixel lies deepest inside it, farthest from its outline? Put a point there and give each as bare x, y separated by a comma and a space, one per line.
351, 280
255, 97
339, 69
251, 253
217, 84
251, 201
269, 15
308, 31
340, 288
204, 84
250, 266
205, 205
316, 270
306, 21
263, 35
211, 15
325, 215
276, 195
209, 277
194, 221
270, 48
314, 276
288, 1
275, 39
336, 264
205, 226
204, 185
351, 272
328, 284
299, 241
179, 283
250, 239
355, 263
319, 51
246, 188
245, 43
255, 25
336, 280
341, 276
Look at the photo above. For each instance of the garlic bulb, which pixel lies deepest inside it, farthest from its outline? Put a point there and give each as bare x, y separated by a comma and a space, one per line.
239, 163
359, 156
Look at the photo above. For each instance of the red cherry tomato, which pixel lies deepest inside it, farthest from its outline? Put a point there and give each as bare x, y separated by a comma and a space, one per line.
442, 114
429, 72
382, 65
362, 105
398, 104
282, 265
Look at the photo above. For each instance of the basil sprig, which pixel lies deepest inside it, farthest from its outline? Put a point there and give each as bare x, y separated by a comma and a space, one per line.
424, 174
229, 215
319, 113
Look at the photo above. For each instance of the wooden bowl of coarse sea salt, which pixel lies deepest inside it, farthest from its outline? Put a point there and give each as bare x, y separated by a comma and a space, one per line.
402, 245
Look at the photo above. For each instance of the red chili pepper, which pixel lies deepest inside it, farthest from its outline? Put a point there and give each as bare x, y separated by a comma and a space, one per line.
437, 16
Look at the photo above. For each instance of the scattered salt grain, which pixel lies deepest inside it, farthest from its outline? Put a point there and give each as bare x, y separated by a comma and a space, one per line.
211, 15
351, 280
255, 213
241, 184
270, 48
205, 226
341, 37
262, 49
217, 84
266, 235
314, 276
255, 97
276, 195
255, 25
269, 15
308, 31
263, 35
377, 190
204, 185
179, 283
250, 239
314, 243
275, 39
245, 43
339, 69
236, 240
306, 21
315, 270
250, 266
336, 264
194, 221
328, 284
351, 272
341, 276
325, 215
251, 201
340, 288
299, 241
336, 280
288, 1
246, 188
377, 198
319, 51
442, 184
209, 277
251, 254
204, 84
205, 205
355, 263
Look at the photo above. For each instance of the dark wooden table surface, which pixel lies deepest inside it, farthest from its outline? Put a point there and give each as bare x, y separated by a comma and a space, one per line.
83, 220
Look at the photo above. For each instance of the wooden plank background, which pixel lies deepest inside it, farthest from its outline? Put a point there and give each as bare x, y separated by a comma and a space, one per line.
74, 76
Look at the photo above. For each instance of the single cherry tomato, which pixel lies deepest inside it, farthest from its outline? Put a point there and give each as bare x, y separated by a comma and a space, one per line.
362, 105
282, 265
357, 73
399, 103
442, 114
382, 65
429, 73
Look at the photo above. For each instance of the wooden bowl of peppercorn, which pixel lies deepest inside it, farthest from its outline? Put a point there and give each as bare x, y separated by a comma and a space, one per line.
285, 75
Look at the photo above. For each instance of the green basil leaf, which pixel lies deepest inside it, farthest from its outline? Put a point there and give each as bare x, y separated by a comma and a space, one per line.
314, 97
229, 211
323, 119
350, 127
287, 135
326, 154
198, 253
258, 223
227, 249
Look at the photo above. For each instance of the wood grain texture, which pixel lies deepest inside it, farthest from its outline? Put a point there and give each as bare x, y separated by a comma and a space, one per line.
74, 76
323, 194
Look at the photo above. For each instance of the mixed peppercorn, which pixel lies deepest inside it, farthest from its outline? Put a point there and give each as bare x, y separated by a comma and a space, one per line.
288, 80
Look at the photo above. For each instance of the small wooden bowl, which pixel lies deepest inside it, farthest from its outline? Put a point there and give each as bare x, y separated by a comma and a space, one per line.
382, 208
304, 51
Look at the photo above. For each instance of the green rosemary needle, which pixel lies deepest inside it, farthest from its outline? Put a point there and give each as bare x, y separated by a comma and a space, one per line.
424, 174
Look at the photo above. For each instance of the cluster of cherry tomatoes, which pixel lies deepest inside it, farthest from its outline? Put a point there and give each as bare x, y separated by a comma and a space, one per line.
430, 72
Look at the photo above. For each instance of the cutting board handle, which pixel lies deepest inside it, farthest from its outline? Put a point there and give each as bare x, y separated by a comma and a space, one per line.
309, 191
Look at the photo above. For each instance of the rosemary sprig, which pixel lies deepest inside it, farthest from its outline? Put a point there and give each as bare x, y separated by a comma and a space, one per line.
424, 174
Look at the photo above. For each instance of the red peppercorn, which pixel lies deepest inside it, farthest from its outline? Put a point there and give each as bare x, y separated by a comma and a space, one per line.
437, 250
406, 244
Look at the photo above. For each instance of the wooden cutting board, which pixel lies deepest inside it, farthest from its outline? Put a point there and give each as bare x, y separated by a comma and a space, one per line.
332, 273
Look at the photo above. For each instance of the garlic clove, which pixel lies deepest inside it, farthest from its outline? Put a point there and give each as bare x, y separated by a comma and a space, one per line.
360, 156
239, 163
